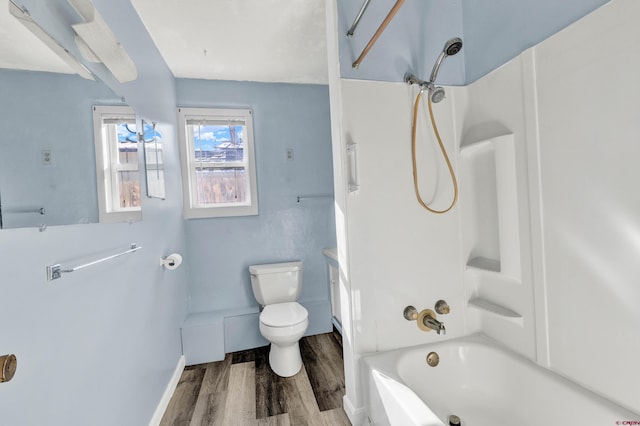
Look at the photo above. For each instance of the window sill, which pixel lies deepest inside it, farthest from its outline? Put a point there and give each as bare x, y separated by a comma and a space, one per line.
118, 217
205, 213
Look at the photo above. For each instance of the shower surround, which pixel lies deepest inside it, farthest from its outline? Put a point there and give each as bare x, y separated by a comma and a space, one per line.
540, 254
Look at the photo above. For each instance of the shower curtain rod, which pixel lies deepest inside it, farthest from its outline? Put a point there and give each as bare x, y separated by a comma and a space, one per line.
378, 32
358, 17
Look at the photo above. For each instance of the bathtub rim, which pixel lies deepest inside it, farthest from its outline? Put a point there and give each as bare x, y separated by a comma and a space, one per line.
386, 363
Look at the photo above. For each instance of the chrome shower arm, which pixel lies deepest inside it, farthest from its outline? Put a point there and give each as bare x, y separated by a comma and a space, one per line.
436, 67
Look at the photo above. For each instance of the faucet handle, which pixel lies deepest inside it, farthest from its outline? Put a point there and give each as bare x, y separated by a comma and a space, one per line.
442, 307
410, 313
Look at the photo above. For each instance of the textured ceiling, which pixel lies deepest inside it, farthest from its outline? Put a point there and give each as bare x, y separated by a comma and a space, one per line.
253, 40
284, 40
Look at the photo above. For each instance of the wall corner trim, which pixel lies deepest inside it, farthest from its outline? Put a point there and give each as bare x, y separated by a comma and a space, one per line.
356, 415
168, 393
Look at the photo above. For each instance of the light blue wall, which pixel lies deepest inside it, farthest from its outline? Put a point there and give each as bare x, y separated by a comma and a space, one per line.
107, 336
153, 92
99, 345
220, 250
499, 30
53, 113
493, 31
411, 42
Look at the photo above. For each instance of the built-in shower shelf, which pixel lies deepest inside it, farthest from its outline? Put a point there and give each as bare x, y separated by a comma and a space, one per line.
496, 309
489, 200
470, 149
484, 264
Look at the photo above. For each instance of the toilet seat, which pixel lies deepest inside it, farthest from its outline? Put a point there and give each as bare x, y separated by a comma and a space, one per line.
283, 314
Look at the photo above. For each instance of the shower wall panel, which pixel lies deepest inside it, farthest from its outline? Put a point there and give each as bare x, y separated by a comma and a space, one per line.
588, 158
496, 245
576, 156
399, 253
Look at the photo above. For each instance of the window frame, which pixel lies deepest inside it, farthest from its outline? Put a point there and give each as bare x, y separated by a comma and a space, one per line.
106, 169
191, 209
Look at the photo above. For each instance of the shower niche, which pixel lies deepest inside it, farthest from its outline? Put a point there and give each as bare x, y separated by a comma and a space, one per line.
490, 237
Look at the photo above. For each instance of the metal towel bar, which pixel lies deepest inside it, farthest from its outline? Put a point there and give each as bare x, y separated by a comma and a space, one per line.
36, 210
358, 17
55, 271
308, 197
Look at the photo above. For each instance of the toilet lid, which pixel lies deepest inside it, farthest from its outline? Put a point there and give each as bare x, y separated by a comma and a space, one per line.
283, 314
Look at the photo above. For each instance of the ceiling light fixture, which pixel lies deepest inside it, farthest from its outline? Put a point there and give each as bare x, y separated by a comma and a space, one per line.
84, 8
96, 40
22, 14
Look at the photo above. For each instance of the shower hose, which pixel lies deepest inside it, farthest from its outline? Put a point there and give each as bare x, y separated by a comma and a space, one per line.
444, 154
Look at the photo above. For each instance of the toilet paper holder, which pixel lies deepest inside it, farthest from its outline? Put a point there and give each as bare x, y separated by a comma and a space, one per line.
171, 261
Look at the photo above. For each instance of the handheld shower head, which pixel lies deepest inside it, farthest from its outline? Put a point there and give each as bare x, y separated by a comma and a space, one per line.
436, 94
451, 47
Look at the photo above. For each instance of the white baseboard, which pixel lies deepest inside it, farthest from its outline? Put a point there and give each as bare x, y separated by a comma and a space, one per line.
168, 393
356, 416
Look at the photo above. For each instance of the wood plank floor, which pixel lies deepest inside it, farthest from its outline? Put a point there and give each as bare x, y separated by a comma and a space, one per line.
242, 389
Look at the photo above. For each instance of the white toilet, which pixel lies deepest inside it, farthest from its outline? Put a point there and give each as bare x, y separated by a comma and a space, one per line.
283, 321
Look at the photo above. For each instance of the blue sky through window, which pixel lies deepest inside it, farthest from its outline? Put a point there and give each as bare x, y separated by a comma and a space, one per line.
127, 133
209, 137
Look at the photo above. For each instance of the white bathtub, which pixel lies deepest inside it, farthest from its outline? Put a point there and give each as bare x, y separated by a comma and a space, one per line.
483, 384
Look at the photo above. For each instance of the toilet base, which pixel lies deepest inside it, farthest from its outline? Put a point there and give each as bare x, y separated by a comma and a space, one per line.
285, 360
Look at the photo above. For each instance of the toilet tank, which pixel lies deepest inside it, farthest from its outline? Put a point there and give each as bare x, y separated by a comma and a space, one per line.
276, 282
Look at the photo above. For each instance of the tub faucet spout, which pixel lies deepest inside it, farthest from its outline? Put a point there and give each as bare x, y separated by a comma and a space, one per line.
426, 319
434, 324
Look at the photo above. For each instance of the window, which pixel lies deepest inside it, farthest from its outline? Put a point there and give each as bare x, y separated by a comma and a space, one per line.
117, 169
218, 164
